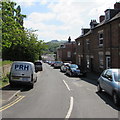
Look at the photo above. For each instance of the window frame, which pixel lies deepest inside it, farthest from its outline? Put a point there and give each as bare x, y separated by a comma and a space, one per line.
100, 37
101, 60
68, 54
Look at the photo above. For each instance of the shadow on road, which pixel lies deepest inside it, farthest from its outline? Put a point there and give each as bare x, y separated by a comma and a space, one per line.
71, 76
16, 88
92, 79
89, 80
107, 99
8, 87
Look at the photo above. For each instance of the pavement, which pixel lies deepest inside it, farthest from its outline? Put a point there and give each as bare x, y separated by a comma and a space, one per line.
92, 75
7, 93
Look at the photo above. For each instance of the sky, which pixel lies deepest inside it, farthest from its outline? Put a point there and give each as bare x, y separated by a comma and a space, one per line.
59, 19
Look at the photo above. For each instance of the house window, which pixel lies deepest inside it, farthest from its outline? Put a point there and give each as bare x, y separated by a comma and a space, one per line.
108, 62
79, 43
101, 64
69, 54
88, 44
107, 15
79, 60
100, 33
88, 61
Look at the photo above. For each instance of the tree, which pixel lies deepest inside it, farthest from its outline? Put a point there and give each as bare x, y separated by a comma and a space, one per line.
11, 29
18, 43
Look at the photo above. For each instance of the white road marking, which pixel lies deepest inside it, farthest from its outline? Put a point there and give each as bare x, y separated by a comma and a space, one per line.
13, 95
70, 109
66, 85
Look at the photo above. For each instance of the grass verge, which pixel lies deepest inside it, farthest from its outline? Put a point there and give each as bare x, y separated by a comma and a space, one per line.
4, 81
5, 62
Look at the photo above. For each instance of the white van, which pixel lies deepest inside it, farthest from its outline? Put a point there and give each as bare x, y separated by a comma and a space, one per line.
22, 72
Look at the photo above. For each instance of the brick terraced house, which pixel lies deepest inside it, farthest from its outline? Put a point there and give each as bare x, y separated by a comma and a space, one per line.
98, 48
67, 52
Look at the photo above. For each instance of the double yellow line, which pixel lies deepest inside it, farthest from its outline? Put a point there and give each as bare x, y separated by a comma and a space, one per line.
12, 103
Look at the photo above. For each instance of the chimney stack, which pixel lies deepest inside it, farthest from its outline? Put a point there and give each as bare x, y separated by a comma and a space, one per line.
69, 39
93, 23
101, 18
117, 6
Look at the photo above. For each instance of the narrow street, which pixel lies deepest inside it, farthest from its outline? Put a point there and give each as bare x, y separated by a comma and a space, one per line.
56, 95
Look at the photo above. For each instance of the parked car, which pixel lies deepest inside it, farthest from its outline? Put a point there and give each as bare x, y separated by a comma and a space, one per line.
63, 68
22, 72
49, 62
58, 64
74, 70
52, 63
38, 66
109, 81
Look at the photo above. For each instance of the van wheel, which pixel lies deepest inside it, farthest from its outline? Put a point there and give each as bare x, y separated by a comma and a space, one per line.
31, 85
11, 84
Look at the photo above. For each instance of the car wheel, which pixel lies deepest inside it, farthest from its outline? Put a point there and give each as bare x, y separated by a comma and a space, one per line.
115, 99
99, 89
36, 79
70, 74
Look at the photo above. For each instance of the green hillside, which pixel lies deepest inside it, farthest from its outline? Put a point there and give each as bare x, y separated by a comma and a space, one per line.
52, 46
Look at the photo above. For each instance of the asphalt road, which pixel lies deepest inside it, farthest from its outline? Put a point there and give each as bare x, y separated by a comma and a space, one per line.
56, 95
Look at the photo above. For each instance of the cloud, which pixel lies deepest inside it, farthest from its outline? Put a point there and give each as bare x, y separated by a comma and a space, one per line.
38, 17
43, 2
26, 3
100, 8
72, 14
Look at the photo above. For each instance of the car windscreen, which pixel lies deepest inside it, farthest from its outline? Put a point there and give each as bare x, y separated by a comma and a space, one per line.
58, 62
73, 66
117, 76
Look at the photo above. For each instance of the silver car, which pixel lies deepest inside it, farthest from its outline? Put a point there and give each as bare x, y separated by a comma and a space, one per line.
109, 81
64, 67
58, 64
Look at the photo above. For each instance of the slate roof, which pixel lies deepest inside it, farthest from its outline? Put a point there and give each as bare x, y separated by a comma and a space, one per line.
100, 24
